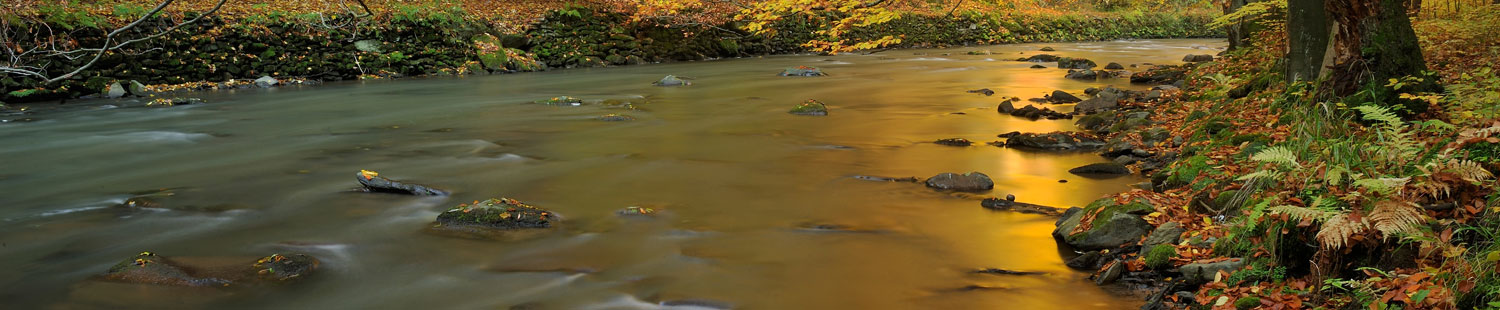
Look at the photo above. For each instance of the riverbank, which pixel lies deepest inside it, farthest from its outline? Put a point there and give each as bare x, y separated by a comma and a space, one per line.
232, 50
1278, 196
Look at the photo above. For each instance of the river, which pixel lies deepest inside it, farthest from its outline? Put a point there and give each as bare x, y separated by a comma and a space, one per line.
257, 171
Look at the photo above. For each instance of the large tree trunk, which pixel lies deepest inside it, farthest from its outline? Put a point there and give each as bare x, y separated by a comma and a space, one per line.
1237, 30
1374, 42
1307, 39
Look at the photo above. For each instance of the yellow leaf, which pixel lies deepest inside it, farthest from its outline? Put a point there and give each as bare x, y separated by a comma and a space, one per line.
369, 175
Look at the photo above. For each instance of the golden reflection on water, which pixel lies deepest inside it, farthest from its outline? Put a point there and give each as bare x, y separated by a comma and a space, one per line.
736, 177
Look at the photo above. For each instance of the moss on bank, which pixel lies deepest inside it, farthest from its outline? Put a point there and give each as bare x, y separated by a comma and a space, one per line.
442, 41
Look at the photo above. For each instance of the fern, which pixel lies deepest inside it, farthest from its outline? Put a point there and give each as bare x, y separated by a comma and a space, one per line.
1267, 175
1467, 170
1385, 186
1379, 114
1303, 214
1338, 229
1336, 175
1277, 155
1396, 218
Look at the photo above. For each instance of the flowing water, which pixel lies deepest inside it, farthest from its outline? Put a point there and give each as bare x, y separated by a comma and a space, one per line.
259, 171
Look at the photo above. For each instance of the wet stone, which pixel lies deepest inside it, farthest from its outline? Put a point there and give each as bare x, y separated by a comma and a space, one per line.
616, 118
810, 108
371, 181
501, 213
954, 142
561, 101
972, 181
802, 71
672, 80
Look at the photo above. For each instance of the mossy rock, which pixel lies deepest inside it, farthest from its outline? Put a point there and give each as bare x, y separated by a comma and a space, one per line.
1247, 303
1160, 257
501, 213
810, 108
149, 268
1113, 225
1075, 63
283, 268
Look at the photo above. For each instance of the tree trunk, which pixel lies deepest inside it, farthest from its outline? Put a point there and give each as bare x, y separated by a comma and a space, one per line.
1307, 39
1373, 43
1237, 30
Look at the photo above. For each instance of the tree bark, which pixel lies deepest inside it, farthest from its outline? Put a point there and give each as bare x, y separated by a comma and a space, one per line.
1374, 43
1307, 39
1237, 32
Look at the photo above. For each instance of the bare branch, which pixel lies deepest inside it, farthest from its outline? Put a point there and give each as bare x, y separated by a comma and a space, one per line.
109, 37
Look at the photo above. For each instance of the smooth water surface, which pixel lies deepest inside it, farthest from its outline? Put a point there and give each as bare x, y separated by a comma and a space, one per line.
260, 171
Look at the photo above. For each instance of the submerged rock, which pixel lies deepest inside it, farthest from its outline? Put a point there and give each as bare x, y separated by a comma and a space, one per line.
1038, 67
502, 213
1047, 49
165, 102
954, 142
1101, 168
561, 100
616, 117
998, 271
149, 268
1040, 58
1055, 141
887, 179
671, 80
373, 182
810, 108
1009, 204
972, 181
636, 211
802, 71
983, 91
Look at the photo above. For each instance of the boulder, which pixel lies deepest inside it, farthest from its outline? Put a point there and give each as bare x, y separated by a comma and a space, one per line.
1160, 75
266, 82
671, 80
137, 89
1197, 58
802, 71
1055, 141
1112, 225
1075, 63
502, 213
1111, 273
1101, 168
810, 108
1086, 261
972, 181
115, 90
1084, 74
954, 142
1059, 96
1204, 271
282, 268
612, 117
1006, 107
1114, 66
1168, 233
1106, 99
1040, 58
372, 182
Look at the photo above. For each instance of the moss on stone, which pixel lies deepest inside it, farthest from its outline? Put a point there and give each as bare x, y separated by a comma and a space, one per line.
1160, 256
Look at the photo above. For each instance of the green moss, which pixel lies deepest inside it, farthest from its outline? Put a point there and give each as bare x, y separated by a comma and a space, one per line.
1247, 303
810, 107
1195, 115
1160, 256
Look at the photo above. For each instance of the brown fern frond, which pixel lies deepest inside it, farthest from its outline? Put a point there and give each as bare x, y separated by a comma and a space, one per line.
1468, 170
1393, 218
1338, 229
1300, 213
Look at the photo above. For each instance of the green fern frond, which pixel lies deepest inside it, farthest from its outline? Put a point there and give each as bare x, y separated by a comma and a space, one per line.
1379, 114
1300, 213
1267, 175
1336, 175
1277, 155
1382, 185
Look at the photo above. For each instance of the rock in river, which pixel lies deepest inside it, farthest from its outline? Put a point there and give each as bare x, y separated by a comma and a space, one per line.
810, 108
1040, 58
972, 181
502, 213
1114, 66
1110, 225
373, 182
671, 80
1101, 168
561, 100
149, 268
802, 71
1075, 63
1197, 58
266, 82
1059, 96
983, 91
954, 142
616, 117
1009, 204
1055, 141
